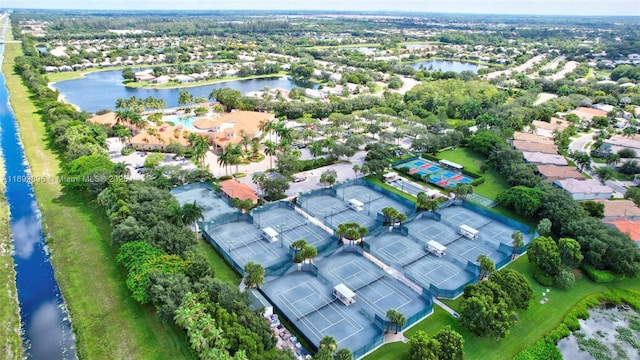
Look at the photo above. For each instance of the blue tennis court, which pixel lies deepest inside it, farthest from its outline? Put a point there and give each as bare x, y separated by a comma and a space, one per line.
430, 172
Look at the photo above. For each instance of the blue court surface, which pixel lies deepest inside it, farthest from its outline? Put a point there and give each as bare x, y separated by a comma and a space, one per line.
308, 302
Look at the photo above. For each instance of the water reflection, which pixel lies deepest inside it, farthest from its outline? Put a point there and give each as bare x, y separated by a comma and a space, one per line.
51, 344
26, 234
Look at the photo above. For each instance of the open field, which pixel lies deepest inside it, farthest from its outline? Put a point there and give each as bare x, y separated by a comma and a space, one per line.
10, 341
534, 323
108, 323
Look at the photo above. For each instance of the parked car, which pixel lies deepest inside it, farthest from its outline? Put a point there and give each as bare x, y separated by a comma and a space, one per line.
299, 178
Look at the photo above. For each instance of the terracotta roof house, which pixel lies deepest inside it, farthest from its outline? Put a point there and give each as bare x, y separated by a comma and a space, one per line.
630, 227
632, 142
233, 189
226, 129
620, 209
542, 158
156, 138
532, 138
551, 173
546, 129
523, 145
585, 113
107, 119
580, 190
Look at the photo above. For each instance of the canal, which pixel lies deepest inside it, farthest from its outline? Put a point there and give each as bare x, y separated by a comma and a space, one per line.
46, 325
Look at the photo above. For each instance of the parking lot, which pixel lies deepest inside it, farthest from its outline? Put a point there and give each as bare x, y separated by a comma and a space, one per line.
136, 159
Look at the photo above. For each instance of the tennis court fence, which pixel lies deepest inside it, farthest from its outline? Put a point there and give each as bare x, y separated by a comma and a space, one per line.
244, 244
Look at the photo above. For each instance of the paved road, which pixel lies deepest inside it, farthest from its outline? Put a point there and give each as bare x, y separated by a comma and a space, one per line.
580, 143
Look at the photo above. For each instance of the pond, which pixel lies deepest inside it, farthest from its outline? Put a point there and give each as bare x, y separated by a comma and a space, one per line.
100, 90
45, 322
445, 65
607, 334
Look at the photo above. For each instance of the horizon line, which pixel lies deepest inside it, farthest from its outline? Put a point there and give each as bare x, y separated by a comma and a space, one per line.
327, 11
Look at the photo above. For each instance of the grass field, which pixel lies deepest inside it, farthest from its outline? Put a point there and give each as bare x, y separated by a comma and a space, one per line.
222, 270
471, 160
533, 324
10, 341
174, 85
108, 323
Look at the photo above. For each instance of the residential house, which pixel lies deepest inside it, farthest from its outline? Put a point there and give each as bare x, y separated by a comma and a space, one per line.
581, 190
629, 227
532, 138
551, 173
544, 159
547, 129
233, 189
620, 209
535, 147
587, 114
107, 119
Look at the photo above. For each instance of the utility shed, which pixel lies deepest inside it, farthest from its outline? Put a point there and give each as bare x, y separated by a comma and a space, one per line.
344, 294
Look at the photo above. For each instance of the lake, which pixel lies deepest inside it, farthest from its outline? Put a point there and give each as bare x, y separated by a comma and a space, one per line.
606, 334
445, 65
100, 90
45, 322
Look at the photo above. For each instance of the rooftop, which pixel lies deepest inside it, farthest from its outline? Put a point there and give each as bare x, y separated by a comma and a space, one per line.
632, 228
524, 145
586, 113
241, 191
108, 118
620, 209
560, 172
589, 186
632, 142
532, 138
541, 158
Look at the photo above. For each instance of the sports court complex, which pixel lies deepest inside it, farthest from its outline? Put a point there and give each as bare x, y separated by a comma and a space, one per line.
307, 300
444, 175
447, 274
312, 295
332, 205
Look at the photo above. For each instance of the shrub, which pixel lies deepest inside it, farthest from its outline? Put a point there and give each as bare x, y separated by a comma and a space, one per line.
542, 278
478, 181
430, 157
601, 276
225, 177
239, 175
127, 151
565, 279
544, 349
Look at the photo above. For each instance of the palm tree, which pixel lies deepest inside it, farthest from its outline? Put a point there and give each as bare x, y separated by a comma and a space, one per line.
396, 318
245, 140
235, 155
486, 266
223, 161
184, 98
265, 127
191, 213
518, 242
315, 149
123, 134
462, 190
426, 203
121, 169
200, 145
271, 149
389, 213
352, 231
401, 217
175, 214
329, 343
356, 169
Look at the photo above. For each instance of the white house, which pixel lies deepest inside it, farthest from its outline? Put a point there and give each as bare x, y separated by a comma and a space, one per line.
581, 190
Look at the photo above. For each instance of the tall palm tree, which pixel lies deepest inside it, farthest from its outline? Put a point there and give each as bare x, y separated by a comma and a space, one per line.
223, 161
389, 213
200, 145
191, 213
271, 149
352, 231
245, 140
235, 155
266, 127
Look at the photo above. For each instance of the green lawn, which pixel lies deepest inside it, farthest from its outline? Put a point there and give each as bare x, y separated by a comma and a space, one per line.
471, 160
173, 85
222, 270
107, 322
10, 341
534, 323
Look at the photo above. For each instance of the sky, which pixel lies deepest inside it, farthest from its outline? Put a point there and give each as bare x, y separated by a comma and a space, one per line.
540, 7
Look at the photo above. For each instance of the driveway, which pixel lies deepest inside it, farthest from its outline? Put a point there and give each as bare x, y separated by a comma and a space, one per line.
580, 143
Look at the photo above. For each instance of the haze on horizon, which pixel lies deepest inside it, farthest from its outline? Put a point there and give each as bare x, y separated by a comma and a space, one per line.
518, 7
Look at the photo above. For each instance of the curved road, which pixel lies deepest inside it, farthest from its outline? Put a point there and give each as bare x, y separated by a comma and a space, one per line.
581, 144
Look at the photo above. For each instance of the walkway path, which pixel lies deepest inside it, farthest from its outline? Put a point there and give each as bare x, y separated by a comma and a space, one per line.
445, 307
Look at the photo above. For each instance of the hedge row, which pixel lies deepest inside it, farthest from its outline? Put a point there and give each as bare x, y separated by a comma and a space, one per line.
317, 163
544, 348
601, 276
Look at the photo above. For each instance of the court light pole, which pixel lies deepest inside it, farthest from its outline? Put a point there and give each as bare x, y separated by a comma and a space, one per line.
331, 218
369, 204
324, 216
280, 226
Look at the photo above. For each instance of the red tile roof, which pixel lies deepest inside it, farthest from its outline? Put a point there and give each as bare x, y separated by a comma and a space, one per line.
234, 189
628, 226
